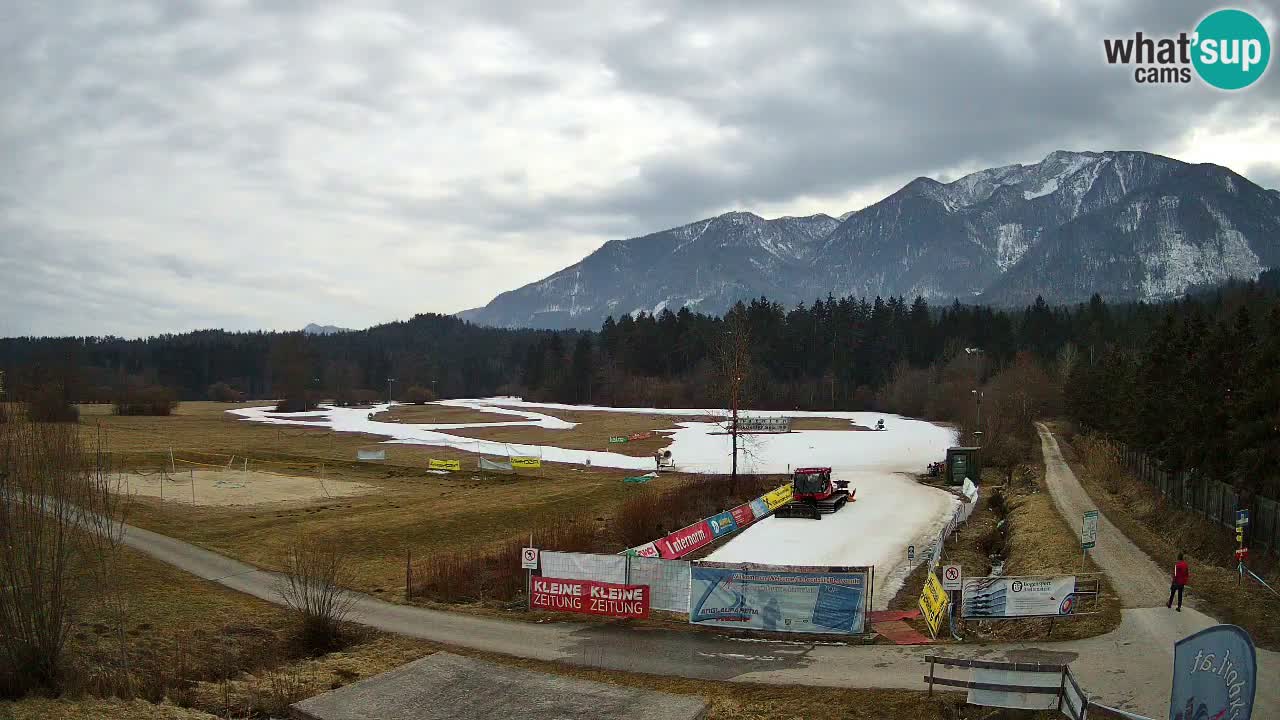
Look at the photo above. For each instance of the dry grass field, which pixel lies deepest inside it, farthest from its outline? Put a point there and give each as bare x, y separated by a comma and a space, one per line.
408, 510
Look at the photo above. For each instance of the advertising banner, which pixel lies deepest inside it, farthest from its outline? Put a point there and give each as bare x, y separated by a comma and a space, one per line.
764, 424
617, 439
526, 462
589, 597
444, 464
647, 550
371, 454
775, 499
759, 508
820, 600
684, 541
722, 524
743, 516
1214, 675
1013, 597
640, 435
933, 603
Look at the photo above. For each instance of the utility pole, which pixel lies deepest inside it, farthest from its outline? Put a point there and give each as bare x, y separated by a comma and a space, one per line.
389, 381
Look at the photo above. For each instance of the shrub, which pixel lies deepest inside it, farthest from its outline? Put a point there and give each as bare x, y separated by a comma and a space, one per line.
419, 395
315, 571
144, 400
222, 392
59, 532
301, 403
48, 405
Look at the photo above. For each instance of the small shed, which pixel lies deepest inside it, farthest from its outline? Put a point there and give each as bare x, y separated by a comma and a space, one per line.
963, 462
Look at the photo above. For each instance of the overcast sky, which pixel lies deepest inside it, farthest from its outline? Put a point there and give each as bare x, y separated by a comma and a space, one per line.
166, 165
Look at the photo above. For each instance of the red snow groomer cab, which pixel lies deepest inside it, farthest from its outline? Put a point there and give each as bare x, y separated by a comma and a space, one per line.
814, 493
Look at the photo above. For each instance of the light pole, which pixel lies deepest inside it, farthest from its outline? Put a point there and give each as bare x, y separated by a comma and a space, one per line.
389, 381
977, 394
433, 390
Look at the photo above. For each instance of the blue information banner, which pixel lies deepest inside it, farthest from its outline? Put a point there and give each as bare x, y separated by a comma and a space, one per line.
722, 524
785, 599
1214, 675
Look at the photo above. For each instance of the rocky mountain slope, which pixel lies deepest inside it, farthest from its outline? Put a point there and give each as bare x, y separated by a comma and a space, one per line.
1128, 225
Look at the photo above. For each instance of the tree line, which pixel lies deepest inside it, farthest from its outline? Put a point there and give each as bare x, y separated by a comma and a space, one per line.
1190, 382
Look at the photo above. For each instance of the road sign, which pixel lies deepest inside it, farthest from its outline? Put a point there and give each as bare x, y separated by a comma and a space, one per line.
1242, 518
1089, 530
529, 558
911, 553
951, 577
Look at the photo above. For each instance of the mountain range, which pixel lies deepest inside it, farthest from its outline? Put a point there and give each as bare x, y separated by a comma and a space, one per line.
1126, 225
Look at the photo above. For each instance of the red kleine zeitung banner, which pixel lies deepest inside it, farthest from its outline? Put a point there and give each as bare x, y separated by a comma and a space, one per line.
590, 598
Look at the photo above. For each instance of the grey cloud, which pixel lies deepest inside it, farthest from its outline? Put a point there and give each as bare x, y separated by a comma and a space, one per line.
223, 166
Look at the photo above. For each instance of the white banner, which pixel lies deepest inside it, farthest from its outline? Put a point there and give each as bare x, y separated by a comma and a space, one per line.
371, 454
1021, 700
1010, 597
498, 466
668, 582
584, 566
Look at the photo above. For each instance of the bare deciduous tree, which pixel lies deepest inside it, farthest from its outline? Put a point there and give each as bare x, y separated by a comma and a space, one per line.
60, 528
314, 574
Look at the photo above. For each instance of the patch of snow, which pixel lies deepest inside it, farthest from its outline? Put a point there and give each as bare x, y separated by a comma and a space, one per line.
1050, 186
660, 306
1011, 245
1176, 264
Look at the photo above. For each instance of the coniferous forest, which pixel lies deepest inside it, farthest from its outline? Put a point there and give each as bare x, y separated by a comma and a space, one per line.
1192, 383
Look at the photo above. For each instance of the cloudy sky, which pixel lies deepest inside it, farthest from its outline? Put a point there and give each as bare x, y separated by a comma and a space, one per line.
174, 165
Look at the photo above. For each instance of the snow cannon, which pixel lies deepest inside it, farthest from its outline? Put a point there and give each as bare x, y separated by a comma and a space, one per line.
815, 494
663, 460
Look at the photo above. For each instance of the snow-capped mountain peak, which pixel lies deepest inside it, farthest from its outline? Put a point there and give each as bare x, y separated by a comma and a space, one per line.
987, 233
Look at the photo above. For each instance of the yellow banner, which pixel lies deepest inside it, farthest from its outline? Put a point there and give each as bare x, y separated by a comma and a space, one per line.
777, 498
525, 462
933, 603
444, 464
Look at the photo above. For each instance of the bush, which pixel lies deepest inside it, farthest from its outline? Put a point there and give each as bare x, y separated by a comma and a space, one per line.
48, 405
307, 401
356, 396
222, 392
419, 395
315, 571
59, 532
144, 400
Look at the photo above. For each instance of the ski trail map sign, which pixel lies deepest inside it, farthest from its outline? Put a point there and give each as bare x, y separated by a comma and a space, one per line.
1089, 530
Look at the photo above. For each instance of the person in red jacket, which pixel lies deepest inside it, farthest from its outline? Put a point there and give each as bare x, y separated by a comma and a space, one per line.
1181, 574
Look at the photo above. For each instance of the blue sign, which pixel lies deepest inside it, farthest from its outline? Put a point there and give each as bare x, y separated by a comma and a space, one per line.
1214, 675
722, 524
779, 601
758, 508
1242, 518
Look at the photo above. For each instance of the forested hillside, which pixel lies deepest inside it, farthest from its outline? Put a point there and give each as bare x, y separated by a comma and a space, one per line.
1192, 382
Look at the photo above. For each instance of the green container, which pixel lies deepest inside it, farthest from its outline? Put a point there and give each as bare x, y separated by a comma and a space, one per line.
963, 462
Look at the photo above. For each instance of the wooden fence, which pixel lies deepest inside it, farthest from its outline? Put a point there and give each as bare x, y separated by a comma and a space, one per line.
1215, 501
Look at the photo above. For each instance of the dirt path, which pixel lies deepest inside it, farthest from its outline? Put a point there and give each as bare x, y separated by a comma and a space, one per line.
1131, 572
1144, 586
